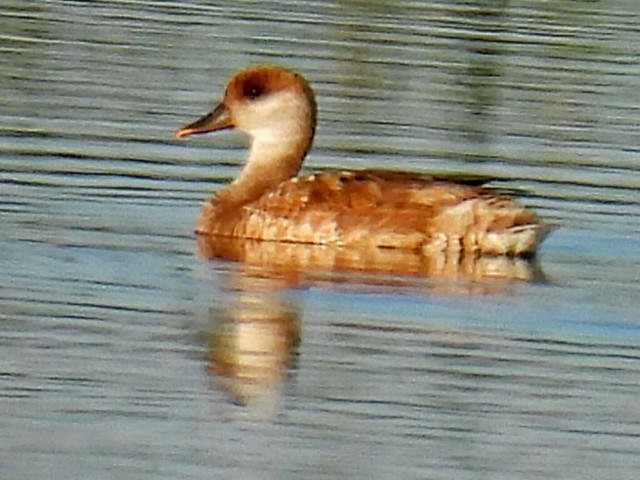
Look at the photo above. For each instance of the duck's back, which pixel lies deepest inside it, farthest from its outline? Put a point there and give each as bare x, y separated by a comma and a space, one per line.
383, 209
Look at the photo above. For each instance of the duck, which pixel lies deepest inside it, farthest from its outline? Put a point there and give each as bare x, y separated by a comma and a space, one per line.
269, 200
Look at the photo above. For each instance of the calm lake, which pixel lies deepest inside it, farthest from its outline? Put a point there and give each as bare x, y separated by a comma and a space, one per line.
129, 351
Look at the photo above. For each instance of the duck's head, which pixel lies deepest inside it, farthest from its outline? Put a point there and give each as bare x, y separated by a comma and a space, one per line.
273, 105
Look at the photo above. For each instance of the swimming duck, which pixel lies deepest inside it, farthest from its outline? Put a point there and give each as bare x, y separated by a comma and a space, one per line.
276, 108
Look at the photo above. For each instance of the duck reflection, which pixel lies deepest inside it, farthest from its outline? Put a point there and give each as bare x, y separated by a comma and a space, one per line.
297, 264
253, 342
252, 345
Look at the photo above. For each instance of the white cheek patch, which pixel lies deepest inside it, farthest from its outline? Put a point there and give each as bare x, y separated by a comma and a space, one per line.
276, 118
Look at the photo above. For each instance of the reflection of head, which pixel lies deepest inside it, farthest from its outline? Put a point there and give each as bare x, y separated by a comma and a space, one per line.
252, 344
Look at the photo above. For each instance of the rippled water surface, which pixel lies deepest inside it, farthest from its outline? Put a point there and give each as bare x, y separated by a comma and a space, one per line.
125, 352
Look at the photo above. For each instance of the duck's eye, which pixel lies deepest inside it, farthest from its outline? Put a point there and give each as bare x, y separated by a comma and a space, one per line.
253, 91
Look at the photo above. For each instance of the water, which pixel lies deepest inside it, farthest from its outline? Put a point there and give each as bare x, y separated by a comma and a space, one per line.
126, 354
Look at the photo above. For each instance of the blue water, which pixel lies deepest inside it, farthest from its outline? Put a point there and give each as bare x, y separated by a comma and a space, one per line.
125, 354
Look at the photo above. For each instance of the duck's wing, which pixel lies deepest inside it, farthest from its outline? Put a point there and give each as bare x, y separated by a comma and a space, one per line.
401, 176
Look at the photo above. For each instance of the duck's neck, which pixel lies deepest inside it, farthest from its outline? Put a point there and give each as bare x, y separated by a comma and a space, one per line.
272, 159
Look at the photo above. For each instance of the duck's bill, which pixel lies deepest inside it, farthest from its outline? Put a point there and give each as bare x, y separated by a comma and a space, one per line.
218, 119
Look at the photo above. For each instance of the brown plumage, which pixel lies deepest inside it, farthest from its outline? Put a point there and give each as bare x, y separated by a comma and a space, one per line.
369, 208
